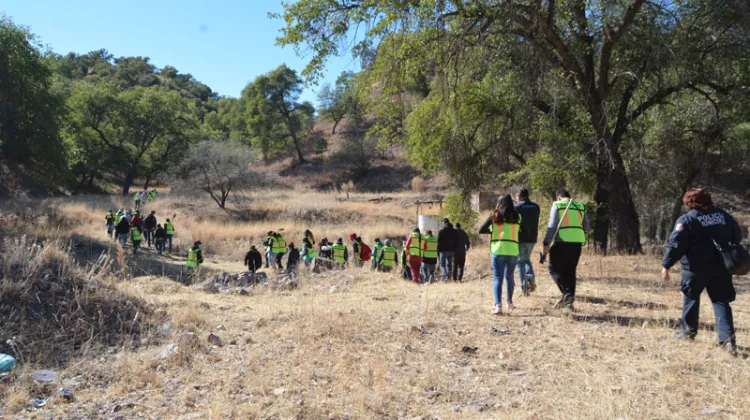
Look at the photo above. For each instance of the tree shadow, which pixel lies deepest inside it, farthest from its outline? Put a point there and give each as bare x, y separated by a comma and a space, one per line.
640, 322
656, 283
622, 303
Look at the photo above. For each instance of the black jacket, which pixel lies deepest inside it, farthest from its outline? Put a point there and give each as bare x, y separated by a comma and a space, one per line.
253, 260
150, 222
691, 241
462, 242
160, 233
123, 227
529, 221
293, 258
447, 238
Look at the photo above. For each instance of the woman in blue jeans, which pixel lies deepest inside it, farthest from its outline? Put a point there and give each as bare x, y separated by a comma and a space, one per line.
503, 226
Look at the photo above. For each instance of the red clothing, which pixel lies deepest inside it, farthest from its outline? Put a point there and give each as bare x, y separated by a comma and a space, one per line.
137, 221
415, 265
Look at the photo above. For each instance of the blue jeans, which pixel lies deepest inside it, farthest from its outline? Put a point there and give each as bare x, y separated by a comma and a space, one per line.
169, 240
446, 264
502, 266
428, 273
525, 269
124, 239
147, 233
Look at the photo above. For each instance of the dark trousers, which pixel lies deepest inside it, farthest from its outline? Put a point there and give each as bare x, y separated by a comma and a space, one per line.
563, 262
147, 233
720, 291
458, 266
279, 258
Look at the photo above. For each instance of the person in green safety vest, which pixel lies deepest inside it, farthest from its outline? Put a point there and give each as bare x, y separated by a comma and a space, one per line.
194, 258
429, 257
339, 252
278, 248
268, 247
564, 250
376, 249
169, 229
110, 219
405, 270
415, 245
503, 226
136, 237
308, 252
388, 257
309, 236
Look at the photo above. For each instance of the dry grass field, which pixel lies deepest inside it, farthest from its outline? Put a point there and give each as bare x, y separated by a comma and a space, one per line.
363, 345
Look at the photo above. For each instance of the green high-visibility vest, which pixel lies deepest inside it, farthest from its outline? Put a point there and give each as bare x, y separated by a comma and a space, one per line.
415, 246
118, 216
135, 233
504, 239
571, 228
339, 250
389, 256
309, 253
169, 227
137, 197
192, 258
431, 251
279, 245
376, 250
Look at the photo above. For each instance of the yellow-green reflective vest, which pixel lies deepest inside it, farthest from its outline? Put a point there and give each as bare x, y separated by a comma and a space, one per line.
338, 253
376, 251
571, 228
389, 256
192, 258
309, 253
504, 239
135, 233
415, 247
431, 251
169, 227
279, 245
137, 197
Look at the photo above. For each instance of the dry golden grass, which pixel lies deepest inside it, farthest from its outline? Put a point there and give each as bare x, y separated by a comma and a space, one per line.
335, 348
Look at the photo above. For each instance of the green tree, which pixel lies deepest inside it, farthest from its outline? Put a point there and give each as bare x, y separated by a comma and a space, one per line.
145, 127
30, 111
273, 111
619, 60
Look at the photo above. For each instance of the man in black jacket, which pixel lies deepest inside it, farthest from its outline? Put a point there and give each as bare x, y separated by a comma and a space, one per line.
292, 260
462, 245
123, 228
527, 238
150, 226
692, 244
253, 260
160, 238
447, 238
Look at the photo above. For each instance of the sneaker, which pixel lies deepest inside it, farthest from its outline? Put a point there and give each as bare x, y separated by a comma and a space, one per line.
682, 335
498, 310
568, 309
532, 286
729, 347
560, 303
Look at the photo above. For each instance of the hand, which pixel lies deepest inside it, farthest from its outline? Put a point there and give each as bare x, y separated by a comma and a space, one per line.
665, 274
546, 250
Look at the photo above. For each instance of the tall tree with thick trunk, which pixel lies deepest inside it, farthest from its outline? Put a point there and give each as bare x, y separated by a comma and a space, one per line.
619, 59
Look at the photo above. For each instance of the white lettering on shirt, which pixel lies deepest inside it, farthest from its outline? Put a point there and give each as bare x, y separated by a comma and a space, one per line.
711, 219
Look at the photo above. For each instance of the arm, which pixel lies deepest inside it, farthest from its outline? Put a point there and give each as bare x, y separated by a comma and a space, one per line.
468, 241
678, 243
586, 222
485, 228
736, 231
200, 256
247, 258
554, 220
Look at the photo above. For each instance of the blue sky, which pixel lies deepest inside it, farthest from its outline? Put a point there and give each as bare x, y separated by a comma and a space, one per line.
223, 43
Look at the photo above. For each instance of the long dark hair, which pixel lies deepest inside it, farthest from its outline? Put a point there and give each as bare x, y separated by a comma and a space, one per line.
505, 212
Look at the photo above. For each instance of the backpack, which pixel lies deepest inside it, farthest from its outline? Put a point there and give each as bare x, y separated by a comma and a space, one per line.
365, 252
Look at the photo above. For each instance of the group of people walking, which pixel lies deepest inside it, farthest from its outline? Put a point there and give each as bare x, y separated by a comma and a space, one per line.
130, 224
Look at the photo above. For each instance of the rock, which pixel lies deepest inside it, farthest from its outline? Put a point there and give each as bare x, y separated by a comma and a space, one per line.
65, 394
215, 340
709, 411
501, 332
246, 291
46, 377
165, 329
188, 340
333, 289
279, 391
167, 351
221, 327
469, 349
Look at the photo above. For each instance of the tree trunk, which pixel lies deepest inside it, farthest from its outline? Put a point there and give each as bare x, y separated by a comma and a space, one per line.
148, 182
129, 178
299, 150
91, 179
615, 211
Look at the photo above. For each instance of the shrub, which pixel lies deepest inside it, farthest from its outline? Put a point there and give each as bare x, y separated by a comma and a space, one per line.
418, 184
457, 207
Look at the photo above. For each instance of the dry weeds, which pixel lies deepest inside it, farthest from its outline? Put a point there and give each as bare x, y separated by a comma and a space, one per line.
368, 345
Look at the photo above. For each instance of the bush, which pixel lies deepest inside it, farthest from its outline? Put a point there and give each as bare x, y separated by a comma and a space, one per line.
349, 187
457, 208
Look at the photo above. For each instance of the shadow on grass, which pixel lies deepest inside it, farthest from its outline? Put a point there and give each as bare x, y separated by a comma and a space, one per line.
622, 303
640, 322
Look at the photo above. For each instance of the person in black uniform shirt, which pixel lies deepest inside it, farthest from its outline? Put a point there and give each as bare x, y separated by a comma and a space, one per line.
692, 243
527, 238
253, 259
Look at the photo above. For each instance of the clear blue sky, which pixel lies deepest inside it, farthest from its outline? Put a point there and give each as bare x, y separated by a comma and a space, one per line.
223, 43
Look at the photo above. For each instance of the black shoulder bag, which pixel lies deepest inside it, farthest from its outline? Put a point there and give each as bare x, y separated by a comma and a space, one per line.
735, 257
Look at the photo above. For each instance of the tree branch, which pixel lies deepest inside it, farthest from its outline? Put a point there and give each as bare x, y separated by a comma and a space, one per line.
611, 37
